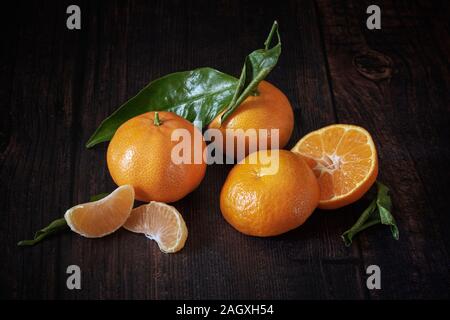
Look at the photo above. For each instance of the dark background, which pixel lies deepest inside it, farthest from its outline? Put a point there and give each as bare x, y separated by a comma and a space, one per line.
57, 85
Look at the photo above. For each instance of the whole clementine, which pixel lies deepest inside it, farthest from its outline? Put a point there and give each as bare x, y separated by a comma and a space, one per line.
140, 154
268, 109
263, 199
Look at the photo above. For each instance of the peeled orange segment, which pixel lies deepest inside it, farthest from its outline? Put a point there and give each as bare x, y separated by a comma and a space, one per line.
100, 218
344, 160
159, 222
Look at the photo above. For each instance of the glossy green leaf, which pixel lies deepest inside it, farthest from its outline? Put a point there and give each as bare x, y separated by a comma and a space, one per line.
384, 205
54, 227
379, 211
198, 96
364, 221
257, 66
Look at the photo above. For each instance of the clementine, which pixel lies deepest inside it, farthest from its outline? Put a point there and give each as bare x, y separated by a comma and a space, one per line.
344, 160
268, 109
260, 199
140, 154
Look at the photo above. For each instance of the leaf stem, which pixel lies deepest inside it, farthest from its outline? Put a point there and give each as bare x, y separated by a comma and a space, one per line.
156, 120
98, 196
270, 36
257, 66
54, 227
360, 224
365, 215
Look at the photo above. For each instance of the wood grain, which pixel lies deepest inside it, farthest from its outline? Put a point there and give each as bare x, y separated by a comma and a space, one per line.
396, 109
57, 85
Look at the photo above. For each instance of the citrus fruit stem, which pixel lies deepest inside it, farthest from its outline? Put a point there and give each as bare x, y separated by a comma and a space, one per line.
156, 121
270, 36
54, 227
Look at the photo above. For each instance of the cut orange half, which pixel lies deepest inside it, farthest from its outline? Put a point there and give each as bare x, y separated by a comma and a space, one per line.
344, 160
159, 222
100, 218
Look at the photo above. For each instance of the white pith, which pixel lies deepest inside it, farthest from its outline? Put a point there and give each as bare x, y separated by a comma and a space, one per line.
329, 163
156, 234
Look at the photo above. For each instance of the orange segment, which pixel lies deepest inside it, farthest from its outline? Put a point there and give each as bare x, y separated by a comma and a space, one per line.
159, 222
344, 160
100, 218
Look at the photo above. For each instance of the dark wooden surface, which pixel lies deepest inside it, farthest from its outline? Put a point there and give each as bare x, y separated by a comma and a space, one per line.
57, 85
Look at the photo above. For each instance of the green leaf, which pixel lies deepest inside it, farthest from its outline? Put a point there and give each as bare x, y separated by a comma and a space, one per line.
197, 95
257, 66
54, 227
98, 196
379, 211
362, 223
384, 205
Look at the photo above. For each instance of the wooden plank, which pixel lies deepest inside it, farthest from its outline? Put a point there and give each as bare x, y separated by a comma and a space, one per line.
37, 158
102, 77
403, 112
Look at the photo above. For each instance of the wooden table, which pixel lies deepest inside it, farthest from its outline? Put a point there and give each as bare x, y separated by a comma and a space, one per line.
57, 85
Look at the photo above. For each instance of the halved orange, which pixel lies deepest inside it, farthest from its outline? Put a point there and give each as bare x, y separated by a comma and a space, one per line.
159, 222
100, 218
344, 160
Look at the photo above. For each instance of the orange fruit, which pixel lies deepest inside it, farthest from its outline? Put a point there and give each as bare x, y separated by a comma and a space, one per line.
159, 222
270, 109
344, 160
259, 200
139, 154
100, 218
